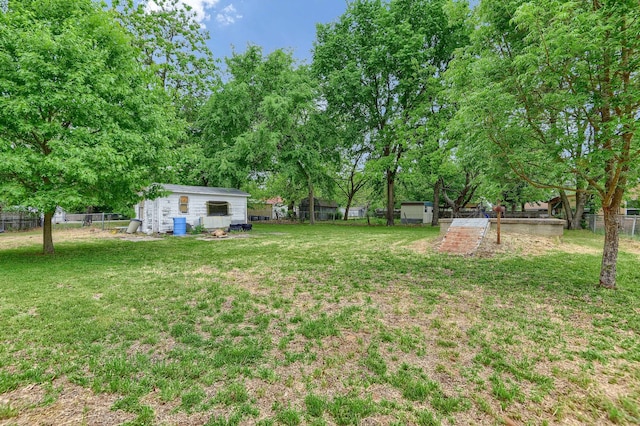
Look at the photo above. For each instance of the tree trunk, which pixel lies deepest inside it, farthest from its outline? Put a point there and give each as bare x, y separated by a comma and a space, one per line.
436, 203
47, 239
455, 211
290, 210
346, 209
568, 213
390, 198
312, 205
610, 252
581, 201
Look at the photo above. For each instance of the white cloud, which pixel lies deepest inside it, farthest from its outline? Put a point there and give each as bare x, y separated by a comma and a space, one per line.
228, 15
199, 7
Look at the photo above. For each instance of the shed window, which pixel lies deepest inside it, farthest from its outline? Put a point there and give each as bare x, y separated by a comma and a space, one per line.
184, 204
218, 208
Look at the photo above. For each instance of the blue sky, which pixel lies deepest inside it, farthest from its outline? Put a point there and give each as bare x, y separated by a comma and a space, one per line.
271, 24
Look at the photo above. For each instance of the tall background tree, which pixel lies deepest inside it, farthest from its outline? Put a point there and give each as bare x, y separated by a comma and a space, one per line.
350, 173
554, 86
266, 120
173, 44
80, 122
379, 64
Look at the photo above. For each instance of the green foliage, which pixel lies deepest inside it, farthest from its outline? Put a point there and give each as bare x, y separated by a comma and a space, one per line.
198, 229
414, 384
265, 122
234, 394
172, 44
315, 405
426, 418
80, 122
288, 417
381, 65
349, 410
7, 411
549, 88
375, 362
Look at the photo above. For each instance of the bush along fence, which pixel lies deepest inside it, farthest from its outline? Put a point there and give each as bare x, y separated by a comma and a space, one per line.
629, 225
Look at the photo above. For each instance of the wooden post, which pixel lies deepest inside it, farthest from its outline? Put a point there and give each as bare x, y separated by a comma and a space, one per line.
499, 211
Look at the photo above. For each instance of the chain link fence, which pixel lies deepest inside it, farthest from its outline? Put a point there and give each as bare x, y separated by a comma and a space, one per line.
629, 225
102, 221
24, 221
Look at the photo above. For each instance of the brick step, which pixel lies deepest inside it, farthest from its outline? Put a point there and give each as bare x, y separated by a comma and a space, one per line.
465, 240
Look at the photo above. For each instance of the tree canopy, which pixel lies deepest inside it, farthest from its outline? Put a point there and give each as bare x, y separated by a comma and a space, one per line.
266, 120
381, 64
80, 121
554, 87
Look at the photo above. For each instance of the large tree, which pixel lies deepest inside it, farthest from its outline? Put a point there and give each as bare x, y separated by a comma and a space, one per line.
173, 44
265, 120
380, 63
554, 85
80, 122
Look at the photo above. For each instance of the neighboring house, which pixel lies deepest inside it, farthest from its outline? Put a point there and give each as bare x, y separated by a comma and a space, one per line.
210, 207
632, 206
60, 216
357, 212
260, 211
279, 208
539, 206
273, 208
324, 210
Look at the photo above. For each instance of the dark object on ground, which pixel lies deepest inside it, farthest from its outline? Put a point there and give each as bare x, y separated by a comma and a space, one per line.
241, 227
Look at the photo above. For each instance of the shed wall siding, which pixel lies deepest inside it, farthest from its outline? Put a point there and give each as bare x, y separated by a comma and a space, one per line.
159, 213
412, 212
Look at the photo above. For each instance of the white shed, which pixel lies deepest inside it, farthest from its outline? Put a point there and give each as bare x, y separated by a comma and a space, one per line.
200, 205
416, 212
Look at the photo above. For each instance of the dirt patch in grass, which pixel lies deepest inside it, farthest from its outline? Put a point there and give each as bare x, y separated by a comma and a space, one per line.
526, 245
63, 404
630, 246
168, 413
137, 238
234, 236
21, 239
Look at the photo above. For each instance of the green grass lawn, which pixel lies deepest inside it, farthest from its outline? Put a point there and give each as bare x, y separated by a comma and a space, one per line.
314, 325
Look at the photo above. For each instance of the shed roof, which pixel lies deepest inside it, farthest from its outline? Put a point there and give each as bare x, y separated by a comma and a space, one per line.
205, 190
